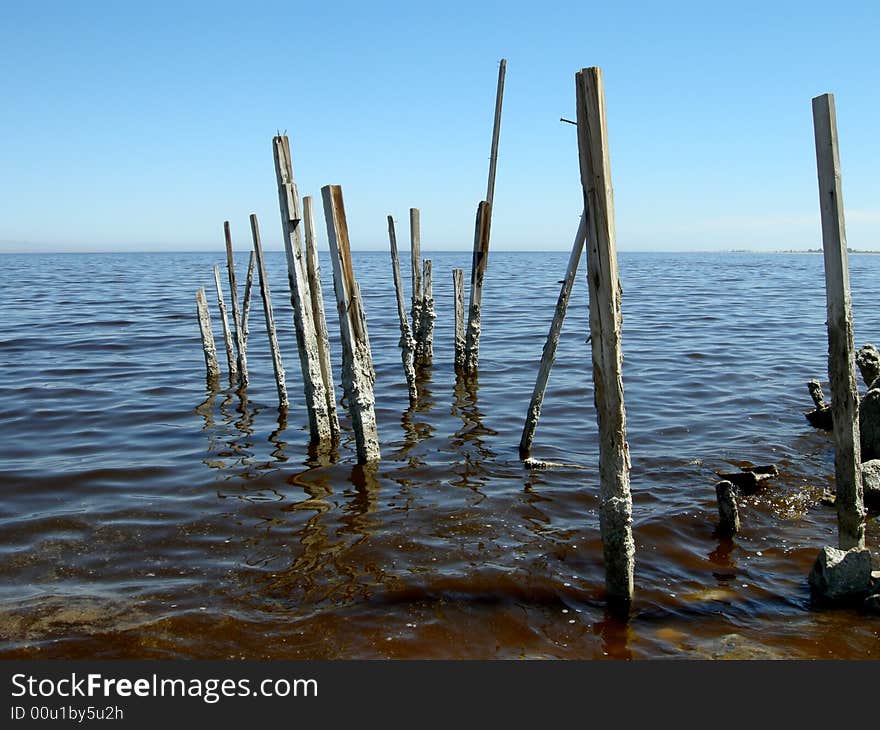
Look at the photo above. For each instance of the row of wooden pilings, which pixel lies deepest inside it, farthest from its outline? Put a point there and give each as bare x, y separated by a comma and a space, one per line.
596, 233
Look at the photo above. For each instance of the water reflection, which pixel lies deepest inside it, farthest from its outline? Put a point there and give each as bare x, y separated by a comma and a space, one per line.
471, 439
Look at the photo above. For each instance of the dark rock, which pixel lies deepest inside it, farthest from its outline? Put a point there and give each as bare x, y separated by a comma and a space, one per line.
869, 425
868, 360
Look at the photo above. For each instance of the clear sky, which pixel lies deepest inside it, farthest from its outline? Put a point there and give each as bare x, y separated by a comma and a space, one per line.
144, 125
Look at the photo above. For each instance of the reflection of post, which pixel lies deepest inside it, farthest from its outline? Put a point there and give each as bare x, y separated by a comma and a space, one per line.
841, 361
208, 347
317, 296
615, 510
458, 293
227, 336
407, 343
357, 365
236, 312
549, 354
277, 366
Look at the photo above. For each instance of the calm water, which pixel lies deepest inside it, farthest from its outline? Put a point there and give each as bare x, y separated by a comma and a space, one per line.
143, 517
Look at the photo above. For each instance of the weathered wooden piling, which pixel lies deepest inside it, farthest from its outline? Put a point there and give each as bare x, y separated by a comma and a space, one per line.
246, 307
274, 349
313, 271
550, 346
415, 252
306, 338
407, 343
728, 512
227, 335
426, 334
841, 358
212, 367
458, 295
358, 376
496, 131
240, 348
478, 270
615, 500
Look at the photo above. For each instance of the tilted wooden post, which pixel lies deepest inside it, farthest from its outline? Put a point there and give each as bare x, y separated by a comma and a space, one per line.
407, 344
313, 271
208, 347
277, 365
458, 294
496, 131
358, 375
306, 338
246, 307
478, 270
549, 354
240, 346
841, 360
615, 500
227, 335
428, 314
415, 252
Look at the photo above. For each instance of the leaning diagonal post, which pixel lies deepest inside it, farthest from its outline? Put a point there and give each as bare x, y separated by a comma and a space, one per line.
227, 335
458, 295
277, 366
237, 322
407, 344
496, 131
357, 363
246, 307
841, 361
317, 296
549, 354
478, 270
306, 339
208, 347
615, 500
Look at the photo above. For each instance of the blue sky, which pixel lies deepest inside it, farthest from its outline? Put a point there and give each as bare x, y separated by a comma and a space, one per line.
143, 126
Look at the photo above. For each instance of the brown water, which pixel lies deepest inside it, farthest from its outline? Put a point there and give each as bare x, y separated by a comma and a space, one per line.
143, 517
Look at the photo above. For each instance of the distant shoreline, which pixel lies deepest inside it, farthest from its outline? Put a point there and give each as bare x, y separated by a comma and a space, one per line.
813, 251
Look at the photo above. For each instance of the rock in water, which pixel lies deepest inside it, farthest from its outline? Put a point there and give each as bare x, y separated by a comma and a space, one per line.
871, 479
841, 575
868, 360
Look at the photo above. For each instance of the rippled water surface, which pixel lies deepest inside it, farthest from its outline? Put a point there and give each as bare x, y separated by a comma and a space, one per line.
143, 516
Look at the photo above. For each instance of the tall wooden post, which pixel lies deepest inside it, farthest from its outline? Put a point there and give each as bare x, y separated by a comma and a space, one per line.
227, 335
496, 131
478, 270
549, 354
841, 359
428, 315
407, 344
458, 295
415, 252
317, 296
277, 365
306, 339
358, 375
237, 322
208, 347
615, 500
246, 307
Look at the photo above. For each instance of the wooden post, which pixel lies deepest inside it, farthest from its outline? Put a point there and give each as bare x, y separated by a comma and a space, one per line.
358, 375
478, 269
407, 344
841, 358
313, 271
615, 500
550, 346
458, 293
415, 238
211, 365
306, 337
246, 307
236, 312
227, 335
277, 365
728, 512
428, 314
496, 131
